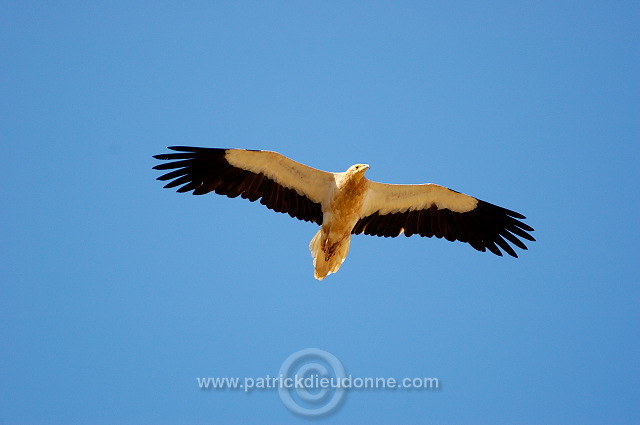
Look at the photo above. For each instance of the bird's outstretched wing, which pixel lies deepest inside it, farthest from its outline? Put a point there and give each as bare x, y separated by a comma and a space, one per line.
284, 185
432, 210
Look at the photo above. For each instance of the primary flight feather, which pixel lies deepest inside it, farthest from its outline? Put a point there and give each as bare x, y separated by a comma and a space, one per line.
344, 203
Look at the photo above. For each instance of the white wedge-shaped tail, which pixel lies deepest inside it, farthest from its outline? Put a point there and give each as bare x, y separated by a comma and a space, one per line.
327, 256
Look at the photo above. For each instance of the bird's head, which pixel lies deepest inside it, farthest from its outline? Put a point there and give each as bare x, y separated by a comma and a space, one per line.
357, 171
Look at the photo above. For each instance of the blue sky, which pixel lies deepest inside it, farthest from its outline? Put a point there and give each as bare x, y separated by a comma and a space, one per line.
117, 294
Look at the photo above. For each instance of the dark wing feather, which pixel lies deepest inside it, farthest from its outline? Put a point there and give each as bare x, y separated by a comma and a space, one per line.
431, 210
205, 170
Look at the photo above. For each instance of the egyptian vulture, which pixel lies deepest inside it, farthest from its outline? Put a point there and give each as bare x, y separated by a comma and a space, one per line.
343, 203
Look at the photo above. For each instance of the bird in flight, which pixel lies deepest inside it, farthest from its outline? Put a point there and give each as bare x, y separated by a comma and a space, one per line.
343, 203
